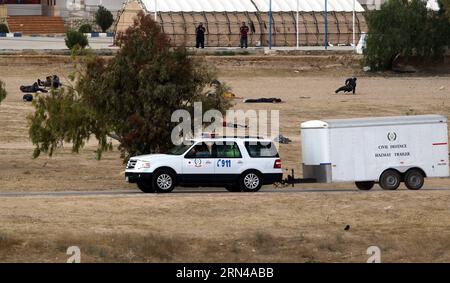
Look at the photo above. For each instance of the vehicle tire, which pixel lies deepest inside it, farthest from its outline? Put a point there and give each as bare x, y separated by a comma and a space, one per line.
365, 186
163, 181
250, 181
414, 179
233, 189
390, 180
146, 187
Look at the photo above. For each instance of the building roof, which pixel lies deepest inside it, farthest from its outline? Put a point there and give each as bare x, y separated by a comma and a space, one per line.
250, 6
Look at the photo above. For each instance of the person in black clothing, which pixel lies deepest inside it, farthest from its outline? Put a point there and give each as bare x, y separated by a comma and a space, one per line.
350, 86
244, 35
200, 36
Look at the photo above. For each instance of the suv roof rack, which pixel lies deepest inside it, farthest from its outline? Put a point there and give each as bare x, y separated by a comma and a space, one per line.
242, 137
216, 136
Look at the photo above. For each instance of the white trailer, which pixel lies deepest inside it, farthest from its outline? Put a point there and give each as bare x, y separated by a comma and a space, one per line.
384, 150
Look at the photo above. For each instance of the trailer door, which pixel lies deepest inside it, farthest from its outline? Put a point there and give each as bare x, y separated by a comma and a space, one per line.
440, 160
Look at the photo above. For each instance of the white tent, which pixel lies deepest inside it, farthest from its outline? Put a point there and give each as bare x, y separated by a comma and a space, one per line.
222, 19
433, 5
308, 5
199, 5
248, 6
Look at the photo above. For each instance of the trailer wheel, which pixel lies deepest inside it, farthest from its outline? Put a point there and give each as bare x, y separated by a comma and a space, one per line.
390, 180
414, 179
365, 186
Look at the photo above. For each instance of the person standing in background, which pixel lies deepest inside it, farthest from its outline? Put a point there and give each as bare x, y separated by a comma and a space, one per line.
200, 36
244, 35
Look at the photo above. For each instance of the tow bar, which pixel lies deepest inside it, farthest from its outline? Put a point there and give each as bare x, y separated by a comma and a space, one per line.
291, 180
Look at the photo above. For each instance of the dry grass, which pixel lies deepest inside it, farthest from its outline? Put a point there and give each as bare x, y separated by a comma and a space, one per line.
224, 227
308, 94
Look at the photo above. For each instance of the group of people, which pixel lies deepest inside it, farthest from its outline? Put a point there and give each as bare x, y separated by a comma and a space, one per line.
51, 82
201, 30
350, 83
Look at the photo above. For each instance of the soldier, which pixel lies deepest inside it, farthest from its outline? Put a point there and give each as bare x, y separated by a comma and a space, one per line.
200, 36
350, 86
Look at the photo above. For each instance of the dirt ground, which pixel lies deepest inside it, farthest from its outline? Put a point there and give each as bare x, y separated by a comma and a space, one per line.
272, 226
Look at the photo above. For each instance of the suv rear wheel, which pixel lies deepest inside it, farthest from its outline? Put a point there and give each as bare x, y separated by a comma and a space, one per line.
365, 186
163, 181
250, 181
233, 189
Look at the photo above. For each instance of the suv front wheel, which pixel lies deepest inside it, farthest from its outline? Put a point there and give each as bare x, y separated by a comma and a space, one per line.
146, 187
250, 181
163, 181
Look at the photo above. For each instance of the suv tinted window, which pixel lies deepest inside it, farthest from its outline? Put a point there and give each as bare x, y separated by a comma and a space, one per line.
200, 150
259, 149
227, 150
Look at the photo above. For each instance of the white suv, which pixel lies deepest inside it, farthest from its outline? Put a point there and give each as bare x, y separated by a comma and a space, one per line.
236, 163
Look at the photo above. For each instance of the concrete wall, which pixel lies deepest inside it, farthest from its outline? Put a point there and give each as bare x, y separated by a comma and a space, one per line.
24, 10
112, 5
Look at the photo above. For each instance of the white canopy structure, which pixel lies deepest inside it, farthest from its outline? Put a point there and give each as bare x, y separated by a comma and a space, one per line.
199, 6
433, 5
250, 5
222, 19
308, 5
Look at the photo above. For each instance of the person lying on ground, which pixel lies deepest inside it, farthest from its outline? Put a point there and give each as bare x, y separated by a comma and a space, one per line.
32, 88
262, 100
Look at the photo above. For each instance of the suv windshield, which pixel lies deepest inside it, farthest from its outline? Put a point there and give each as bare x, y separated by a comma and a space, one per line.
180, 149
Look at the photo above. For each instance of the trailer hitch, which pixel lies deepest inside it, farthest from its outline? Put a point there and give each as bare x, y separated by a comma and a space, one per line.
291, 180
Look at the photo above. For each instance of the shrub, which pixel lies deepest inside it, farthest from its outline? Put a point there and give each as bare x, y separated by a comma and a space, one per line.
85, 28
3, 28
129, 98
2, 91
104, 18
405, 29
76, 38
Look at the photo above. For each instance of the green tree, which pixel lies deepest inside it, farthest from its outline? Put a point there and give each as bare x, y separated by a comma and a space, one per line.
407, 29
104, 18
445, 7
130, 98
3, 28
76, 39
2, 91
85, 28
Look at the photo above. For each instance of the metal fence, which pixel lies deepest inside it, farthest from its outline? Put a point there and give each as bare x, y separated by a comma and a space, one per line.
222, 28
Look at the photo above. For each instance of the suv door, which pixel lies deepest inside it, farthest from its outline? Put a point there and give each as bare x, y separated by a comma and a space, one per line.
198, 164
228, 162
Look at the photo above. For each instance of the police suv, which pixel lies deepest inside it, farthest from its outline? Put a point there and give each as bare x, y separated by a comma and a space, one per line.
236, 163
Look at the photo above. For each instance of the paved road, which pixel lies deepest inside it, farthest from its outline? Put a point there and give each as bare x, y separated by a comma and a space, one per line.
49, 43
186, 192
57, 43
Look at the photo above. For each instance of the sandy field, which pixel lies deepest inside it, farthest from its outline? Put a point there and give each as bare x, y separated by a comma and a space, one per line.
219, 226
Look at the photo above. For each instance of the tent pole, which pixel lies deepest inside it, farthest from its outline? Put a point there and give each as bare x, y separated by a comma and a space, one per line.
326, 26
156, 10
353, 28
270, 24
298, 42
